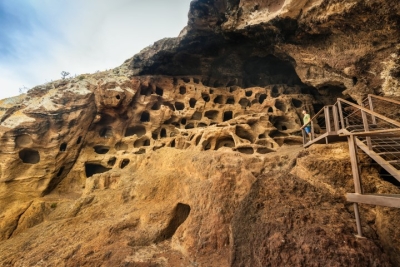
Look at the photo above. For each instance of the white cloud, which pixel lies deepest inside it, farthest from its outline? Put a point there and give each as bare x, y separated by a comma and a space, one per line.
82, 36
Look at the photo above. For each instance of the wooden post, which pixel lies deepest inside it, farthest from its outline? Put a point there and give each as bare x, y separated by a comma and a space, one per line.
335, 117
371, 107
341, 114
366, 128
356, 178
327, 119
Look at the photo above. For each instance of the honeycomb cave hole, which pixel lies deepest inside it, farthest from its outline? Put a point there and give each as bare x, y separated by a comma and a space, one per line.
101, 149
280, 105
246, 150
79, 140
106, 132
163, 133
121, 146
197, 116
244, 102
124, 163
192, 102
111, 161
182, 90
219, 99
138, 130
173, 143
118, 97
159, 91
297, 103
248, 93
189, 126
262, 98
146, 90
275, 92
225, 142
228, 115
145, 117
206, 97
156, 106
179, 216
244, 134
211, 114
29, 156
230, 101
141, 142
92, 169
179, 106
63, 147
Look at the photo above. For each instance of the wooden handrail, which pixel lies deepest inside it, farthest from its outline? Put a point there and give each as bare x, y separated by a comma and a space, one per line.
316, 115
385, 99
344, 132
370, 112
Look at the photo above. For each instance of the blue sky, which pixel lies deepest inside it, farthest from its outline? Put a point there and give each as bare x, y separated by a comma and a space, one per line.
41, 38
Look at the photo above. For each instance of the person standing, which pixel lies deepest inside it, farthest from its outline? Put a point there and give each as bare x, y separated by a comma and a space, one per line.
307, 123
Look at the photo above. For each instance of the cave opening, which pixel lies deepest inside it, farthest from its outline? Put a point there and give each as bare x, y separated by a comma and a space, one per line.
124, 163
138, 130
106, 132
228, 115
30, 156
111, 161
249, 93
219, 99
244, 133
163, 133
211, 114
230, 101
159, 91
262, 71
179, 106
121, 146
141, 142
182, 90
189, 126
92, 169
183, 121
246, 150
206, 97
145, 117
101, 149
79, 140
197, 115
262, 98
63, 147
156, 106
280, 105
244, 102
192, 102
225, 142
146, 90
297, 103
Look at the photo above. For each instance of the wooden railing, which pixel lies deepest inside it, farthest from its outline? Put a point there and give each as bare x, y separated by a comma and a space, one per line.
373, 128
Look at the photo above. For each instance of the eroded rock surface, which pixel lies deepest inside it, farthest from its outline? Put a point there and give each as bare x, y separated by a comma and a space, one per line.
189, 154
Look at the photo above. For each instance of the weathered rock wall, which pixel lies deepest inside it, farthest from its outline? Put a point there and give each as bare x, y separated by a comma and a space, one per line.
190, 151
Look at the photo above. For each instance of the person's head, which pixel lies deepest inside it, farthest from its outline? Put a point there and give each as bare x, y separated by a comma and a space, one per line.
304, 112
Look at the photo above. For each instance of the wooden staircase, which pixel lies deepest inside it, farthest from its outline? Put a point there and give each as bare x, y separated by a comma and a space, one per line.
373, 128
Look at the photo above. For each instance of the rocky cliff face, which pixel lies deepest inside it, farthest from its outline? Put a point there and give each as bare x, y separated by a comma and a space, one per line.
189, 153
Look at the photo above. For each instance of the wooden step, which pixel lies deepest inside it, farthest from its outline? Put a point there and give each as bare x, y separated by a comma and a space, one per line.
375, 199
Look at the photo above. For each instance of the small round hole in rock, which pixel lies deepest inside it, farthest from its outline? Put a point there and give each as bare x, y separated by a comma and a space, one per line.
192, 102
205, 97
249, 93
228, 115
179, 106
145, 117
124, 163
159, 91
182, 90
63, 147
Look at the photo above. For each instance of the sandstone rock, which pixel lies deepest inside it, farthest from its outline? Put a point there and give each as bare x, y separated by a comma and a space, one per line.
189, 154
